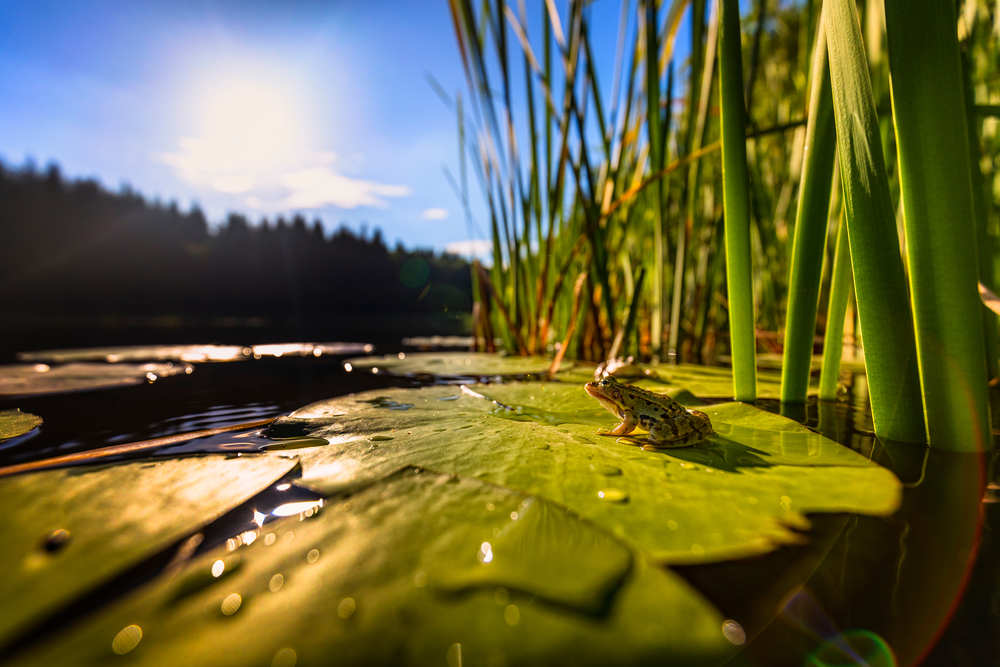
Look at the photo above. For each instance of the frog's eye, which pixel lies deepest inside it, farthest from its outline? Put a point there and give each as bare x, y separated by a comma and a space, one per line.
605, 383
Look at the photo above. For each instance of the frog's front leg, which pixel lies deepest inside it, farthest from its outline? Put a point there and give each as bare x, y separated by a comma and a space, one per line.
627, 425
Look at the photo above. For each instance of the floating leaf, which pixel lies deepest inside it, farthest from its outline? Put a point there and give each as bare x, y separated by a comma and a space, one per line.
24, 380
414, 569
14, 423
190, 353
67, 531
743, 493
452, 364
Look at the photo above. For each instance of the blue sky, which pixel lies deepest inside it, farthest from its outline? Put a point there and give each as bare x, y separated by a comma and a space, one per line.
261, 108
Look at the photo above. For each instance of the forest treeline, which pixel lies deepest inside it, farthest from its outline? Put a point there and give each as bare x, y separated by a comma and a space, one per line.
72, 248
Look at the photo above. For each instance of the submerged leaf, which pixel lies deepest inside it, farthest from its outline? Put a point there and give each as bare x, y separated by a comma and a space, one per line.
414, 569
743, 493
14, 423
67, 531
24, 380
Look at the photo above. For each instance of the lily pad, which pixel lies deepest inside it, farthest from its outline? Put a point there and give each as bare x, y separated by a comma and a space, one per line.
190, 353
743, 493
14, 423
701, 380
418, 568
67, 531
452, 364
26, 380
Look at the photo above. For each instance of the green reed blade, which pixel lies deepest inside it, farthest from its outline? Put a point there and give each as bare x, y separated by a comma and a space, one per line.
984, 246
879, 283
840, 291
809, 243
736, 201
653, 130
936, 187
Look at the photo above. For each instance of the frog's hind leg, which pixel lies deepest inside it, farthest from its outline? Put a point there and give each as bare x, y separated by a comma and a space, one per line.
627, 425
666, 434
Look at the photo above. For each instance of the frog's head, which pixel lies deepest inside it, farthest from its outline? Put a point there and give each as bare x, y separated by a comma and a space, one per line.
608, 392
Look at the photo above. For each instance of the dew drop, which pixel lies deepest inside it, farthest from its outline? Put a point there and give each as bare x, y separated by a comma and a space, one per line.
697, 550
346, 608
672, 525
501, 596
277, 581
56, 540
613, 495
312, 556
231, 604
127, 639
454, 655
734, 632
511, 614
420, 579
286, 657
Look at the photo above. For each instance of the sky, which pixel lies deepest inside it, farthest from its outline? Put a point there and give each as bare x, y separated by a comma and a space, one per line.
319, 108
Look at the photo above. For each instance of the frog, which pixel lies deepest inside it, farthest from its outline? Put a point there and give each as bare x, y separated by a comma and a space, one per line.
669, 423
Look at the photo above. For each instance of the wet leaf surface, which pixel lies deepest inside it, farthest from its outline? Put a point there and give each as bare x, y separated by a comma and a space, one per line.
14, 423
743, 493
402, 571
34, 379
66, 531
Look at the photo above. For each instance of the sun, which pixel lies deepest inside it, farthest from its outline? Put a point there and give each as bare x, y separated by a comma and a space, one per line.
248, 128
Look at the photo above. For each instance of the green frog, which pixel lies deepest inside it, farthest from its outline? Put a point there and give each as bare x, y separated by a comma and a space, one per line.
669, 423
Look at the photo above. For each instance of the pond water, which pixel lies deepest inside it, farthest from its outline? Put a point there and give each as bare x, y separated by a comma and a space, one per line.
921, 585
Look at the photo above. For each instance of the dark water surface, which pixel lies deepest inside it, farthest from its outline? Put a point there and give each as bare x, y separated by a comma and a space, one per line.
922, 585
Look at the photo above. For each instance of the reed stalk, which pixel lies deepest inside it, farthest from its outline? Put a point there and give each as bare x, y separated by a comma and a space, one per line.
879, 282
936, 188
736, 201
811, 217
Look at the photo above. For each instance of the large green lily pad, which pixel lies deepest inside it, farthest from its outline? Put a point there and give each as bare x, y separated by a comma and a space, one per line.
34, 379
416, 569
67, 531
700, 380
744, 493
14, 423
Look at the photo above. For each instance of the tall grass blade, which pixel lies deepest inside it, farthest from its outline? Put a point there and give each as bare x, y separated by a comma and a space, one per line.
936, 187
736, 200
879, 283
809, 242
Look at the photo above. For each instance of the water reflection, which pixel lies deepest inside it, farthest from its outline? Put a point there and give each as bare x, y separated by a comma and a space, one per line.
866, 590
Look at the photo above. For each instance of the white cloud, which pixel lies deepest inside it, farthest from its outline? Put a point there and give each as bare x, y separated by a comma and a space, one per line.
252, 143
477, 247
435, 214
317, 187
